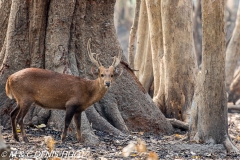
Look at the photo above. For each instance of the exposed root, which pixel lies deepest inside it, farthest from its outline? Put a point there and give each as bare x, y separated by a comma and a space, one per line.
111, 112
99, 123
230, 146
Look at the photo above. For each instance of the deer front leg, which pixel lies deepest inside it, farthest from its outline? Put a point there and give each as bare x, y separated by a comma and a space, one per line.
68, 118
77, 120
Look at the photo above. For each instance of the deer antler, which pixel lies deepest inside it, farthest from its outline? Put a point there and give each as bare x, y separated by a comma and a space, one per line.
90, 54
116, 60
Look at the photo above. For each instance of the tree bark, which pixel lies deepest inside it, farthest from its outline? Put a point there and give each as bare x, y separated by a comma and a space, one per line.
209, 123
171, 44
180, 63
53, 35
143, 56
132, 35
233, 52
156, 40
196, 31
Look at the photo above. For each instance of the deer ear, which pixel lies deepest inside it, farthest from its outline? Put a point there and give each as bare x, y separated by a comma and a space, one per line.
118, 72
95, 71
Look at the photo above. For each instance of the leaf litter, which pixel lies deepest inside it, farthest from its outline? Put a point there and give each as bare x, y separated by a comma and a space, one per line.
136, 146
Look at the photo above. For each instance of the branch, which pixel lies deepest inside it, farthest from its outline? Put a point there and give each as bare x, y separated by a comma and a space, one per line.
178, 124
233, 108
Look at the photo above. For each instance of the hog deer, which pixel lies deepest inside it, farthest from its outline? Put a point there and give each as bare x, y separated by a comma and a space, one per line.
52, 90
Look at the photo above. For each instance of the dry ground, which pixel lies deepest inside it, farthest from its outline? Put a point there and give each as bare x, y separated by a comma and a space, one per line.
110, 147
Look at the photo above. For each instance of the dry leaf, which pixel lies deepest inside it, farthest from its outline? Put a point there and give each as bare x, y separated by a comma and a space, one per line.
141, 146
55, 158
41, 126
50, 142
238, 138
18, 129
152, 156
128, 149
134, 155
196, 157
141, 133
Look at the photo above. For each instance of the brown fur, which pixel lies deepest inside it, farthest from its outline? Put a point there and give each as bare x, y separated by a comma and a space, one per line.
53, 90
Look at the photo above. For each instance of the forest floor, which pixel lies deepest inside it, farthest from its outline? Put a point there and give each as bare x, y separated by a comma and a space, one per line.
111, 148
165, 147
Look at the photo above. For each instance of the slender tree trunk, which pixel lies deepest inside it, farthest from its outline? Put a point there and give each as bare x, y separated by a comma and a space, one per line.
233, 52
210, 108
156, 40
196, 32
53, 35
143, 57
132, 35
180, 61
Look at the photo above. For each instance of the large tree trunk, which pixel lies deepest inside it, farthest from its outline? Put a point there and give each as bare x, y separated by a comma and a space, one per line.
53, 35
209, 116
180, 63
233, 52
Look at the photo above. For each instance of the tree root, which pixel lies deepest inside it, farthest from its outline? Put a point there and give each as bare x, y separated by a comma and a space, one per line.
229, 146
113, 115
99, 123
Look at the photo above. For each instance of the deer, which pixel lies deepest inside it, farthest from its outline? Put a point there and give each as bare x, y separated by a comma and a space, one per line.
52, 90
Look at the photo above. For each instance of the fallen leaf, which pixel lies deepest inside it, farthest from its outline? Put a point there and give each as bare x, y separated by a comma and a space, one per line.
141, 133
141, 146
50, 142
152, 156
41, 126
238, 138
126, 151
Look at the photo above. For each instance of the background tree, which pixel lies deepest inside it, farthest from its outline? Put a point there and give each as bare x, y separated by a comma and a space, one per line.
53, 35
197, 29
233, 52
209, 111
165, 54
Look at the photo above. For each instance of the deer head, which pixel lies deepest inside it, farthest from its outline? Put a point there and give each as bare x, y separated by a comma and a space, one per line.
106, 76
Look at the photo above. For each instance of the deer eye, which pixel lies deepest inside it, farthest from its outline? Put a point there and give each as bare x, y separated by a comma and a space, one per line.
102, 75
111, 75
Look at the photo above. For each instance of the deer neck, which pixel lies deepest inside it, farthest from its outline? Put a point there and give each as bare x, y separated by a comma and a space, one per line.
98, 90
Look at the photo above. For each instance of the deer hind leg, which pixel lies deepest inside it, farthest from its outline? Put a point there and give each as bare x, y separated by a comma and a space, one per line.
70, 110
24, 107
77, 120
13, 115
